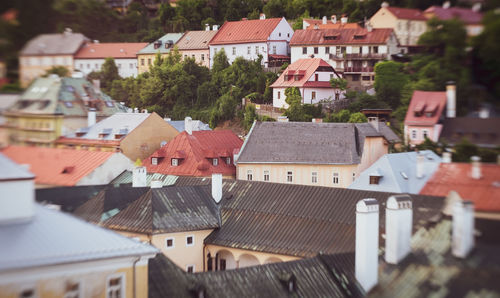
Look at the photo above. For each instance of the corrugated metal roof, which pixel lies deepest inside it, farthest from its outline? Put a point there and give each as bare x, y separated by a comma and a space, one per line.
340, 36
114, 50
195, 40
54, 44
127, 176
246, 31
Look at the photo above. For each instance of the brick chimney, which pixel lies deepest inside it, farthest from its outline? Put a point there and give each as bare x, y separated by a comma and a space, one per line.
366, 254
398, 228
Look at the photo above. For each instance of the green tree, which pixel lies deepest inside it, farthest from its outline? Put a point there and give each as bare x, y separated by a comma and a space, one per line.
109, 73
389, 82
249, 116
338, 83
61, 71
464, 150
357, 118
220, 61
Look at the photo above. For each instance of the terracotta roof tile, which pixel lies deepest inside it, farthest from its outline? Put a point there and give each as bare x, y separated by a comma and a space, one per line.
467, 16
422, 102
340, 36
245, 31
114, 50
303, 67
407, 13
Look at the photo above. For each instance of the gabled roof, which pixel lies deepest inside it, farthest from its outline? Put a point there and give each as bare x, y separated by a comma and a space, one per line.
247, 31
66, 43
55, 166
482, 132
121, 50
468, 16
340, 36
304, 69
195, 40
422, 103
407, 13
484, 192
195, 153
55, 238
309, 143
197, 125
10, 171
150, 48
397, 172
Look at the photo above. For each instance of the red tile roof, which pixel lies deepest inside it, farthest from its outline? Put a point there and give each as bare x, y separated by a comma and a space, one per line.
245, 31
422, 102
467, 16
114, 50
407, 13
484, 192
305, 68
340, 36
195, 153
54, 166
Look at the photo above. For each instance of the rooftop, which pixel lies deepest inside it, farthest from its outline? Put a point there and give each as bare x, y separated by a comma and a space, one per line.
195, 40
163, 45
425, 107
340, 36
197, 125
303, 69
482, 132
66, 43
11, 171
246, 31
466, 15
122, 50
407, 13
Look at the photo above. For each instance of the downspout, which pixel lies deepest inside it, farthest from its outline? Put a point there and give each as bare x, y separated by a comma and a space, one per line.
204, 261
134, 278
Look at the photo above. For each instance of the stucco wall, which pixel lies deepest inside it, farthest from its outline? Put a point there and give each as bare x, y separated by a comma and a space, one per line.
31, 67
407, 31
433, 133
373, 149
126, 67
109, 170
28, 129
201, 57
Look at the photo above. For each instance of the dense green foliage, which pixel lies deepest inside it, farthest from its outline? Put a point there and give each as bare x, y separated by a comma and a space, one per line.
61, 71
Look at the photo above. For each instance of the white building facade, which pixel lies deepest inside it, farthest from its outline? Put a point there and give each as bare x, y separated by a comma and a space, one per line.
126, 67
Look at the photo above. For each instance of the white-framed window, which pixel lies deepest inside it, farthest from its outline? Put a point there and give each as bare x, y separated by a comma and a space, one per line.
336, 178
257, 50
425, 134
190, 240
228, 160
190, 268
314, 177
88, 65
274, 49
175, 162
131, 65
413, 134
249, 175
266, 175
289, 176
81, 65
279, 94
202, 57
313, 95
169, 242
154, 161
115, 286
249, 50
215, 161
72, 290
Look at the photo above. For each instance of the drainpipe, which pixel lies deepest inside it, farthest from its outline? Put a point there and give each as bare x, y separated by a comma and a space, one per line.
204, 261
133, 277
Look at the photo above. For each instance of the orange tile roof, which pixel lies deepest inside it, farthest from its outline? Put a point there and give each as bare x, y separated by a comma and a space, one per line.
194, 152
407, 13
115, 50
305, 67
340, 36
54, 166
484, 192
425, 101
245, 31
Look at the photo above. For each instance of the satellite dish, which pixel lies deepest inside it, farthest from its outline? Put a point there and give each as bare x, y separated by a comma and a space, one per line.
163, 143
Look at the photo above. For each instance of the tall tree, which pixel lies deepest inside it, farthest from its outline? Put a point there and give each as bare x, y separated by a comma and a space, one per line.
389, 82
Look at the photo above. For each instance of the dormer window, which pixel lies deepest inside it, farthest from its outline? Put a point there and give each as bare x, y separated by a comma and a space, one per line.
174, 162
215, 161
228, 160
374, 179
154, 161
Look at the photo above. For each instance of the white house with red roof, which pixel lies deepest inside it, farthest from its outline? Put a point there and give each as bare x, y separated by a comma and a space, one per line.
91, 57
251, 38
312, 77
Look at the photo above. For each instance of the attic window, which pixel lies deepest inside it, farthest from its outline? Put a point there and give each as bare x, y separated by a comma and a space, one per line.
157, 44
215, 161
289, 281
228, 160
374, 179
359, 36
105, 132
331, 37
154, 161
68, 170
82, 131
174, 162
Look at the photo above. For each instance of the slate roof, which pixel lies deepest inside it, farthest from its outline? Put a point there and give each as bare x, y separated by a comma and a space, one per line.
53, 238
195, 153
197, 125
195, 40
407, 13
484, 192
424, 102
9, 170
398, 172
309, 143
468, 16
314, 277
306, 68
481, 132
54, 166
340, 36
123, 50
68, 198
247, 31
150, 48
54, 44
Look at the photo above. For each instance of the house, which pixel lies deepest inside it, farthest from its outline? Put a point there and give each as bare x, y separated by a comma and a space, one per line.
195, 124
408, 23
472, 18
405, 172
54, 106
196, 153
321, 154
324, 23
250, 38
312, 76
194, 44
424, 116
483, 132
65, 167
136, 135
91, 57
46, 253
147, 55
352, 52
46, 51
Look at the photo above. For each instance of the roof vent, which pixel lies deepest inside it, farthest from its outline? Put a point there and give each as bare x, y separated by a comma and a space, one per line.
289, 281
68, 170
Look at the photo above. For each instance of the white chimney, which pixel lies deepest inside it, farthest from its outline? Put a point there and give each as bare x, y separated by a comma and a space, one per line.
366, 254
446, 158
476, 7
136, 110
476, 167
217, 187
324, 20
451, 100
463, 228
343, 19
215, 27
139, 177
446, 4
188, 125
398, 228
156, 184
484, 113
384, 4
420, 165
207, 27
262, 16
91, 117
334, 19
374, 122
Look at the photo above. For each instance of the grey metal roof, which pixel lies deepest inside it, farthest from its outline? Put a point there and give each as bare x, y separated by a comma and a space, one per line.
126, 178
309, 143
482, 132
10, 170
398, 172
53, 237
54, 44
197, 125
150, 49
68, 198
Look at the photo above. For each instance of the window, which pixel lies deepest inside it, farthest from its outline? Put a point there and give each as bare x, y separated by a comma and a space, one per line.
335, 178
313, 95
327, 50
316, 77
355, 77
279, 34
215, 161
425, 134
228, 160
256, 49
289, 176
27, 293
202, 57
154, 161
314, 177
142, 62
169, 243
175, 162
115, 287
266, 175
353, 176
249, 175
88, 65
185, 57
234, 51
149, 61
190, 268
304, 50
131, 65
414, 134
374, 179
193, 56
97, 66
249, 50
72, 290
190, 240
315, 50
274, 49
375, 50
365, 78
288, 35
81, 65
279, 94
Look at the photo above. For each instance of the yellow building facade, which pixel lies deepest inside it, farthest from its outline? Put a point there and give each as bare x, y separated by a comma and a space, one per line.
33, 129
32, 67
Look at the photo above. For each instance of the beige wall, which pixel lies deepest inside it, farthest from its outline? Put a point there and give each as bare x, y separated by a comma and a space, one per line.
197, 56
31, 67
29, 129
407, 31
144, 66
373, 149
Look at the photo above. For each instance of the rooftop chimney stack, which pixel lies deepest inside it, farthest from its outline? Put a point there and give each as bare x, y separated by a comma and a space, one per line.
334, 19
463, 228
343, 19
91, 117
451, 99
139, 177
207, 27
188, 125
324, 20
384, 4
476, 167
446, 157
476, 7
446, 4
420, 165
374, 122
215, 27
366, 254
217, 187
262, 16
398, 227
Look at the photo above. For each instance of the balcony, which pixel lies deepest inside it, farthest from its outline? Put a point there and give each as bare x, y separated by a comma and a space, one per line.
358, 69
366, 56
